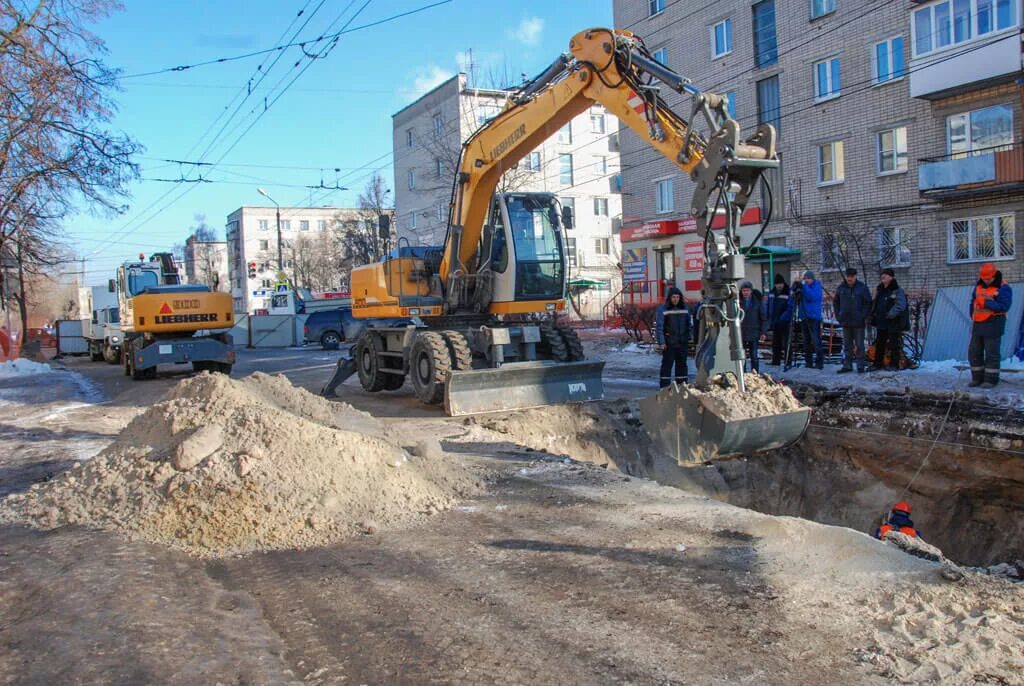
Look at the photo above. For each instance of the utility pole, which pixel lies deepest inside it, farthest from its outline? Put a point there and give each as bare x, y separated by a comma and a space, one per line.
280, 258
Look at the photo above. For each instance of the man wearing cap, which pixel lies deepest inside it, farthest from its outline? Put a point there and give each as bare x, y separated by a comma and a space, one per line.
898, 520
852, 303
891, 317
990, 302
810, 320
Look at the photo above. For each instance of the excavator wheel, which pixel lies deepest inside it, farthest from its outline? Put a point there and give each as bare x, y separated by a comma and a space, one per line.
552, 341
458, 346
572, 342
368, 364
429, 365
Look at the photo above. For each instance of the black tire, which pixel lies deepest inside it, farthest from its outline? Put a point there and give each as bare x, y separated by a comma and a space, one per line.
223, 368
393, 382
458, 347
331, 340
368, 364
95, 352
111, 355
572, 342
429, 366
553, 343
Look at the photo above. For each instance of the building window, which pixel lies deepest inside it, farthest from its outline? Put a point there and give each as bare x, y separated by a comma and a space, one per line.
894, 250
601, 207
602, 246
830, 163
952, 22
303, 225
766, 51
887, 60
982, 238
565, 134
412, 179
730, 104
571, 204
533, 161
321, 224
438, 125
286, 224
266, 283
721, 38
438, 167
661, 55
264, 245
979, 130
769, 110
819, 8
264, 266
408, 138
565, 170
826, 79
892, 150
412, 220
597, 123
656, 6
832, 253
600, 165
264, 224
664, 200
487, 112
440, 212
570, 251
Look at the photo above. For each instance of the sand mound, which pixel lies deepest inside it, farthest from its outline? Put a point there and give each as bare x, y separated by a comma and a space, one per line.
763, 396
224, 466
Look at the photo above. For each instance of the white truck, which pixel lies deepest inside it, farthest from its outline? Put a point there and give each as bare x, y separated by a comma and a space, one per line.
101, 326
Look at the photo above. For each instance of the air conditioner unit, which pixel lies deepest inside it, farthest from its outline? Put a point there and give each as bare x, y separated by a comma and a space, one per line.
615, 183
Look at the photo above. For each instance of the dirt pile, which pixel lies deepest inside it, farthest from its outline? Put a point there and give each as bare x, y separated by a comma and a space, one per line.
762, 397
225, 466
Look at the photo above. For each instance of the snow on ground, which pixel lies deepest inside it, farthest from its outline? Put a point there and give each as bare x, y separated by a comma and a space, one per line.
23, 367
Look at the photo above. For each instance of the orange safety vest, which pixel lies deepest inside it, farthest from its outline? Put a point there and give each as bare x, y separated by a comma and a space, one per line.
886, 528
981, 314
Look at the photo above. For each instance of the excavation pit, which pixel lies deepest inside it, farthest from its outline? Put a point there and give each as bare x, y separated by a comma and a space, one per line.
856, 460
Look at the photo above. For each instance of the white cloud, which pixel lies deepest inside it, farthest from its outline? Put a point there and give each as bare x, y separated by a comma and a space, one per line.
426, 79
528, 32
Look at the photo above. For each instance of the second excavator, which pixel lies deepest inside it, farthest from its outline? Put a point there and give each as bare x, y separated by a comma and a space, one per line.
483, 303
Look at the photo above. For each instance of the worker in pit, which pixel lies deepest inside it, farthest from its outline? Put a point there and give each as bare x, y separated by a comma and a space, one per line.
672, 325
990, 301
898, 520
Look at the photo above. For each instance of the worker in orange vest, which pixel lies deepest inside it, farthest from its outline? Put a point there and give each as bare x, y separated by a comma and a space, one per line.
898, 520
990, 301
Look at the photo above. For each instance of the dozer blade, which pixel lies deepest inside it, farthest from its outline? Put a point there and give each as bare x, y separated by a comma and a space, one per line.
684, 426
518, 385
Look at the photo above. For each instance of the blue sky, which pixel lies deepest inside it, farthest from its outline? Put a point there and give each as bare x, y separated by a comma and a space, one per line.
336, 115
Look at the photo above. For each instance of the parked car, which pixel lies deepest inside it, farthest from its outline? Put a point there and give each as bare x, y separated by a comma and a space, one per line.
331, 328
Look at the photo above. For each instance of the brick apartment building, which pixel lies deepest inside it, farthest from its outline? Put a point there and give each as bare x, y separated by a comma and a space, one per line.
579, 163
900, 134
206, 263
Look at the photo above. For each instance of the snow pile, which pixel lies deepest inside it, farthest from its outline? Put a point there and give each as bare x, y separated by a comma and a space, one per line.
22, 367
225, 466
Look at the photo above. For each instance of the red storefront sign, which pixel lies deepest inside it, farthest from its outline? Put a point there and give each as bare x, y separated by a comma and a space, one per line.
693, 254
667, 227
752, 215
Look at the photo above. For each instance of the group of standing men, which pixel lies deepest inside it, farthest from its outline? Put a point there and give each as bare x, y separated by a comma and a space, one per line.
786, 307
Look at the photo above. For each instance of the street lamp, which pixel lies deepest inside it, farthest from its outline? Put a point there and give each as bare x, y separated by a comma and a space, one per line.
280, 261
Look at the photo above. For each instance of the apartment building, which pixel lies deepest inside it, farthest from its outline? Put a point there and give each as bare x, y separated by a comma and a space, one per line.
900, 129
579, 163
206, 263
311, 250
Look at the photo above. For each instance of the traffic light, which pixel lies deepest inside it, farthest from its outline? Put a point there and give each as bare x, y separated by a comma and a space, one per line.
252, 270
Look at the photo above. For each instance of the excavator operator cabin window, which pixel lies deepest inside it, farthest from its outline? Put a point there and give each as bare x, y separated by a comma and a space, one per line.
499, 247
139, 280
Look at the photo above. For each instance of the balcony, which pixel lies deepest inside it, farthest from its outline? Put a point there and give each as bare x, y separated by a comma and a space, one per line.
971, 174
968, 66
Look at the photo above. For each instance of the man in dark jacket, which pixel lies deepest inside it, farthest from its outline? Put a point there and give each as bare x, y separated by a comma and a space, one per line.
990, 301
672, 326
811, 294
780, 311
852, 303
754, 322
891, 318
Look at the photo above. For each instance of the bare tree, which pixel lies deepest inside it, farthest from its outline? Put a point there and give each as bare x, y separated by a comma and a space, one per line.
204, 254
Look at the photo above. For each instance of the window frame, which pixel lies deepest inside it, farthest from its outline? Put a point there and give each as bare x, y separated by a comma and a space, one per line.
410, 177
730, 103
602, 246
968, 129
659, 207
973, 25
409, 138
264, 244
438, 124
600, 165
832, 94
533, 164
727, 37
565, 134
762, 110
875, 80
263, 225
600, 203
879, 152
571, 254
835, 181
824, 12
303, 225
663, 51
562, 158
655, 7
594, 119
972, 242
765, 58
286, 224
900, 246
321, 224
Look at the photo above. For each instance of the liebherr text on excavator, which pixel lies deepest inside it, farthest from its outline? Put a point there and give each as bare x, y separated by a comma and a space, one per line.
484, 301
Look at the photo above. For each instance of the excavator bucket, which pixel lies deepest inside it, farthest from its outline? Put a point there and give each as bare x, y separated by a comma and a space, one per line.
685, 425
519, 385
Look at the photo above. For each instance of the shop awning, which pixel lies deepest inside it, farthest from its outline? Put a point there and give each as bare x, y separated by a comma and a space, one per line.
770, 253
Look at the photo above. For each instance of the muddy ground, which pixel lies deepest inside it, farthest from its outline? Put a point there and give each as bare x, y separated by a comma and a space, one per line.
562, 572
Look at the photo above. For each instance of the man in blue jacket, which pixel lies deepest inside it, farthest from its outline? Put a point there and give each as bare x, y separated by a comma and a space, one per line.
672, 326
852, 303
990, 301
810, 325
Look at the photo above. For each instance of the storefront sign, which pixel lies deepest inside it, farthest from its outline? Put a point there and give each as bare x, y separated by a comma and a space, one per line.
693, 254
634, 264
666, 227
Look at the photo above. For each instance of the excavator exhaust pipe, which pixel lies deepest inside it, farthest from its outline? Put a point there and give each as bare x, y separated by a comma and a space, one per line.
520, 385
684, 425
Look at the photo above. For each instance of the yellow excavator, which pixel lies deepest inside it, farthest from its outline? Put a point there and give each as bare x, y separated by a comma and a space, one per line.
483, 303
166, 322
